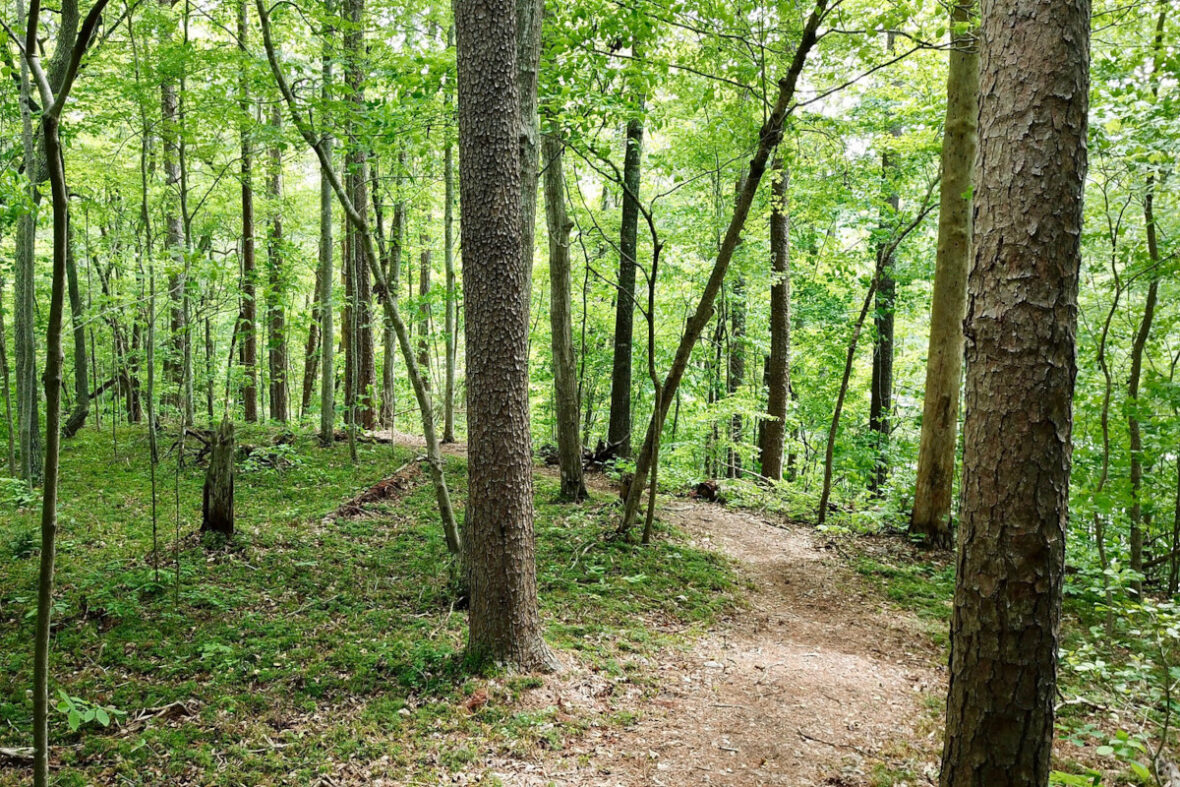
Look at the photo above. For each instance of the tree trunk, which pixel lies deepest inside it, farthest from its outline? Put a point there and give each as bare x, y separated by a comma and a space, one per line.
174, 360
357, 269
505, 622
451, 295
1020, 354
81, 408
248, 310
565, 370
311, 354
778, 375
28, 397
931, 517
276, 286
1134, 428
736, 372
6, 381
768, 139
424, 307
618, 437
217, 502
881, 384
327, 328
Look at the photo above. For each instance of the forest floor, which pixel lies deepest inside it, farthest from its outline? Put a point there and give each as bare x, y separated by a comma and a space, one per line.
322, 645
816, 680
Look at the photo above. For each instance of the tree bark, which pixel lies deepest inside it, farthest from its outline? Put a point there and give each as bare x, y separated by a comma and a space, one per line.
505, 624
565, 370
1020, 354
327, 328
311, 353
248, 310
6, 381
618, 438
81, 407
276, 286
931, 517
28, 397
451, 295
736, 372
424, 307
778, 376
217, 502
174, 361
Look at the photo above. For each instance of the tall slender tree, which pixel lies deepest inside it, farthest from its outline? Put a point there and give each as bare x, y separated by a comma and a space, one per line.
778, 370
1020, 339
944, 359
276, 285
248, 308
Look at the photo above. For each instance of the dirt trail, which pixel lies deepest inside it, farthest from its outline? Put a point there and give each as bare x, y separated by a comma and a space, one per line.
817, 682
814, 684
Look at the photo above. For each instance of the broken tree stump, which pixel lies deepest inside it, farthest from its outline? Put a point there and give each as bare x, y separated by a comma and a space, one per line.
217, 509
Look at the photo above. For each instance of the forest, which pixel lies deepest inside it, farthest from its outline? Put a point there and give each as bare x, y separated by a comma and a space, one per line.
627, 392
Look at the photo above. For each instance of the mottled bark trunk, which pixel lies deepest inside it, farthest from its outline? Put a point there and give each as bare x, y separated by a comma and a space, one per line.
276, 317
248, 309
81, 407
424, 308
565, 371
505, 622
217, 499
1020, 354
28, 395
778, 372
6, 381
931, 517
327, 325
174, 360
735, 376
618, 437
451, 294
881, 384
311, 353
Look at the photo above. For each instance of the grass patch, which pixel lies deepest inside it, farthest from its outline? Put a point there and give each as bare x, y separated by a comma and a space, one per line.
309, 646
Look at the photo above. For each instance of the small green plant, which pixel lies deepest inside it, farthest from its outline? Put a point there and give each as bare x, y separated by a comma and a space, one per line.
79, 711
16, 492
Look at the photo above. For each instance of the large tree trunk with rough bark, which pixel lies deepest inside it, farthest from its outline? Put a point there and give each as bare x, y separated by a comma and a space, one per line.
778, 372
565, 371
505, 622
1020, 353
931, 517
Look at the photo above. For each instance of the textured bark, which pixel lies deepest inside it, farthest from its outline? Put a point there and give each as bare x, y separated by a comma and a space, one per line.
529, 15
248, 309
618, 436
931, 517
311, 353
565, 370
81, 407
1020, 354
881, 384
768, 139
736, 371
505, 622
276, 318
327, 326
28, 396
424, 308
217, 500
6, 381
778, 371
174, 360
361, 347
451, 295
